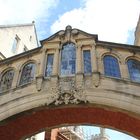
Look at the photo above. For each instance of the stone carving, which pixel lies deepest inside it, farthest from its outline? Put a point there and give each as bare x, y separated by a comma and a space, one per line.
66, 36
54, 95
73, 96
66, 93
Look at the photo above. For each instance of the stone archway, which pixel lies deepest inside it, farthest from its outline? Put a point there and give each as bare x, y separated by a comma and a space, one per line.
33, 121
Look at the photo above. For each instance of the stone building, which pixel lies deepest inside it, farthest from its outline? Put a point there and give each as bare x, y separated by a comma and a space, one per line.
101, 136
137, 34
62, 133
73, 78
66, 133
19, 38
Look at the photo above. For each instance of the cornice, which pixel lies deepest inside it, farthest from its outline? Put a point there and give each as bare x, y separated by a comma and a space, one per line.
21, 55
118, 45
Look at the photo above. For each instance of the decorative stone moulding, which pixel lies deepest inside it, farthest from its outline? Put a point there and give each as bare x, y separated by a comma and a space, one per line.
65, 92
67, 35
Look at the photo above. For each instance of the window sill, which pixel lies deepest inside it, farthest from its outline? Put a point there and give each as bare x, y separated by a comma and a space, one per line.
25, 85
65, 76
87, 74
3, 92
124, 80
119, 78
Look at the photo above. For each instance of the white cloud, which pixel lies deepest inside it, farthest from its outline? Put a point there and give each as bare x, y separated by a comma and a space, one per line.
24, 11
110, 19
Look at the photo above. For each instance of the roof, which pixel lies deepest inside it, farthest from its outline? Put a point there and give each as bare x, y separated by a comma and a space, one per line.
2, 56
64, 32
17, 25
21, 55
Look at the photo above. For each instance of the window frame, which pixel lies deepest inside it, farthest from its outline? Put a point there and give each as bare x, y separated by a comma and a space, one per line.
83, 61
46, 59
2, 74
129, 69
17, 39
118, 63
21, 70
60, 61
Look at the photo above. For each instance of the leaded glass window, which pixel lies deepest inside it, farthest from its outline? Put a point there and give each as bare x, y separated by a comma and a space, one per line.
111, 66
27, 74
49, 65
6, 80
134, 69
87, 61
15, 44
68, 58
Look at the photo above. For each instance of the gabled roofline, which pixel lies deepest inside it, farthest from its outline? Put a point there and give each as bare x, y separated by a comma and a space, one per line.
52, 36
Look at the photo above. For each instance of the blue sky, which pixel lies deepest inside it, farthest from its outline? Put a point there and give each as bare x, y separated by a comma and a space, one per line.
113, 134
112, 20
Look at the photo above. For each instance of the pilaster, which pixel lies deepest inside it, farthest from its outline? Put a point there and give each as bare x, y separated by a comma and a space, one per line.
79, 59
124, 70
15, 81
42, 63
94, 58
95, 73
39, 77
56, 62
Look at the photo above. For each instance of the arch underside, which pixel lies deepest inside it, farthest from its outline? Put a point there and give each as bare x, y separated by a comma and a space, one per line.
36, 120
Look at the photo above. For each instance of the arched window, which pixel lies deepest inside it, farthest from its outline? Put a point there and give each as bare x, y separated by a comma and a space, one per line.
27, 74
68, 58
111, 66
6, 80
134, 69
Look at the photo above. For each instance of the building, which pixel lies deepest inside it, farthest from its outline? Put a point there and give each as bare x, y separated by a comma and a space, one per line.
62, 133
15, 39
2, 56
137, 34
74, 78
19, 38
66, 133
101, 136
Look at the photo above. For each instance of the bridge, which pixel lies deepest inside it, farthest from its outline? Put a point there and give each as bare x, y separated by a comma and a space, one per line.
72, 79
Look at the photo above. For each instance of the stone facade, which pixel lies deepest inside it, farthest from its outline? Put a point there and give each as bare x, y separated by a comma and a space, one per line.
66, 99
15, 39
137, 33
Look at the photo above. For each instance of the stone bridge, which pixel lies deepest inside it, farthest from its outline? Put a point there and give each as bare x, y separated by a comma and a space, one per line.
72, 79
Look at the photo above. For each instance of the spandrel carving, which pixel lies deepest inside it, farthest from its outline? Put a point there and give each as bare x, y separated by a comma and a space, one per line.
66, 92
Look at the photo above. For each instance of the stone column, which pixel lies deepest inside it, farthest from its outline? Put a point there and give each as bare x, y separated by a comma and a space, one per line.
78, 60
79, 73
16, 77
56, 62
124, 70
95, 73
41, 67
42, 63
94, 58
